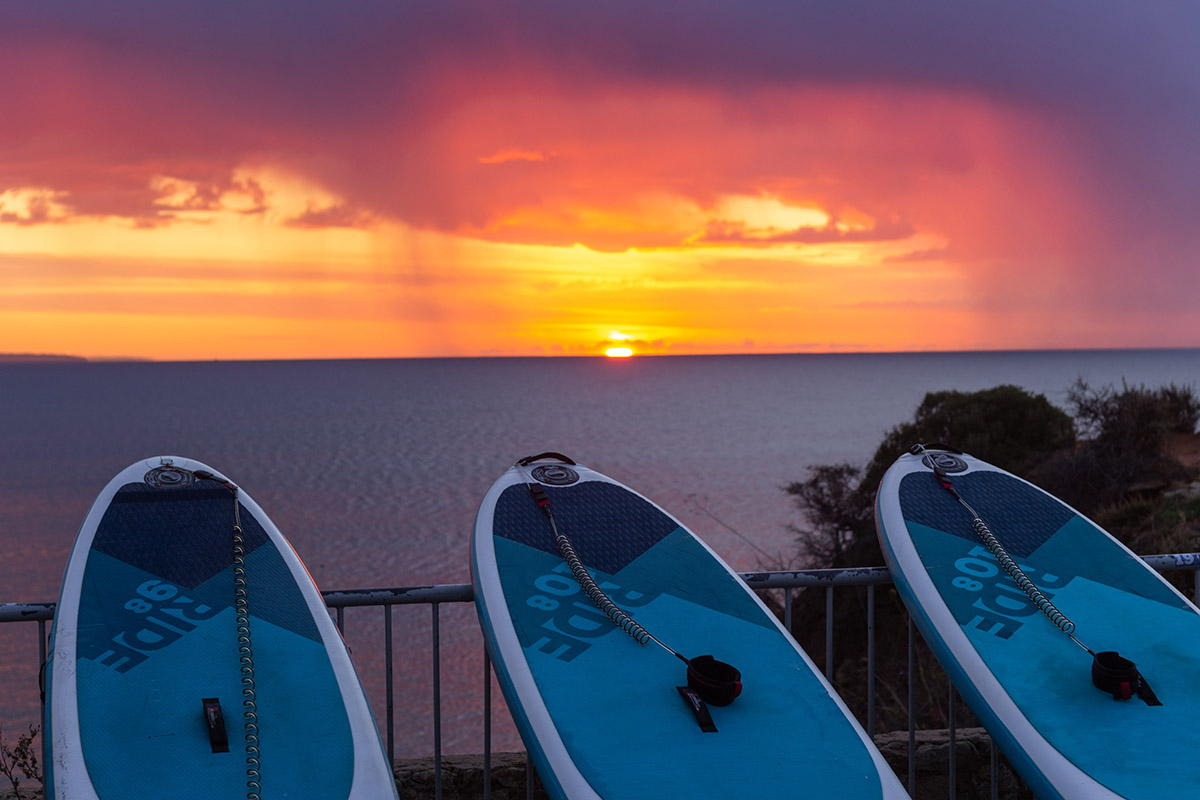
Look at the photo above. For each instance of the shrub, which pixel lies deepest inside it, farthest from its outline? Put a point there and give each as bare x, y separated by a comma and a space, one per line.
1181, 407
835, 513
1006, 425
1125, 448
1136, 415
20, 760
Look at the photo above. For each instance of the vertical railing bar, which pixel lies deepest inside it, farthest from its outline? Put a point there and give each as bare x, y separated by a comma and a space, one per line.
995, 768
437, 705
487, 725
829, 633
871, 661
341, 620
1196, 586
528, 777
912, 721
953, 745
41, 643
391, 700
787, 609
45, 752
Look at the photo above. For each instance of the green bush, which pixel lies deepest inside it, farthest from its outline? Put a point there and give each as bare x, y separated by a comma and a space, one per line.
1008, 426
1124, 451
1181, 407
837, 517
20, 760
1137, 416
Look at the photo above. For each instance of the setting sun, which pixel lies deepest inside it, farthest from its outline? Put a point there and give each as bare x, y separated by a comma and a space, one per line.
618, 352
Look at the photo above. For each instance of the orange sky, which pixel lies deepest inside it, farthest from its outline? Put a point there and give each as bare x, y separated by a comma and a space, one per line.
199, 201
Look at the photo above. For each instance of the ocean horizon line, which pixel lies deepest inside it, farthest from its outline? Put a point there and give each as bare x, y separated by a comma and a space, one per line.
66, 358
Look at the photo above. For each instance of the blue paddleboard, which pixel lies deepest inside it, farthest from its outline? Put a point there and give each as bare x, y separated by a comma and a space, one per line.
1025, 678
166, 681
600, 714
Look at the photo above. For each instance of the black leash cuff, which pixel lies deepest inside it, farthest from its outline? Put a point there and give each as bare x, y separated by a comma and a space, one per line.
715, 681
1117, 675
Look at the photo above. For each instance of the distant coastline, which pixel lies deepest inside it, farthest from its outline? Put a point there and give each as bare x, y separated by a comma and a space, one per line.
38, 358
54, 358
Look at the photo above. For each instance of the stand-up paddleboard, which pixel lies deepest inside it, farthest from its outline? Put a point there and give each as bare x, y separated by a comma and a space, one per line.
604, 716
192, 656
1019, 654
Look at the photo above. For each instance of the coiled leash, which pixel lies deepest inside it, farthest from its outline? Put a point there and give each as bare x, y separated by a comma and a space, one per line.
1111, 672
709, 680
212, 708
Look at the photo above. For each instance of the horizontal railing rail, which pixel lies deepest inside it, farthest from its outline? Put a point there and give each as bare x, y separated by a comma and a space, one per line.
789, 582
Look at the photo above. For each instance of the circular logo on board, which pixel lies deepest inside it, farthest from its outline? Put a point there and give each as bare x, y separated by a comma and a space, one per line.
168, 478
945, 462
555, 474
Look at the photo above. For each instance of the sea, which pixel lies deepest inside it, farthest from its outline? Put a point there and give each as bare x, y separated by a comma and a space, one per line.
374, 468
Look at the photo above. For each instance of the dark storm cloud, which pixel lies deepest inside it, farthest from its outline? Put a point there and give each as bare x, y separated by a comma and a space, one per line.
1059, 54
107, 94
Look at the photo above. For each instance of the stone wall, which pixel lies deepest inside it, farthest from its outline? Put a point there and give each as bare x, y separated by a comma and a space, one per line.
972, 768
462, 776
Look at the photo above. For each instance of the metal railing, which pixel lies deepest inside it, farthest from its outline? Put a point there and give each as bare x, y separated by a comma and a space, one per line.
788, 582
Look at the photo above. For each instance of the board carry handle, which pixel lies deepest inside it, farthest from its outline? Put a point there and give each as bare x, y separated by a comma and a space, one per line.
919, 449
527, 460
